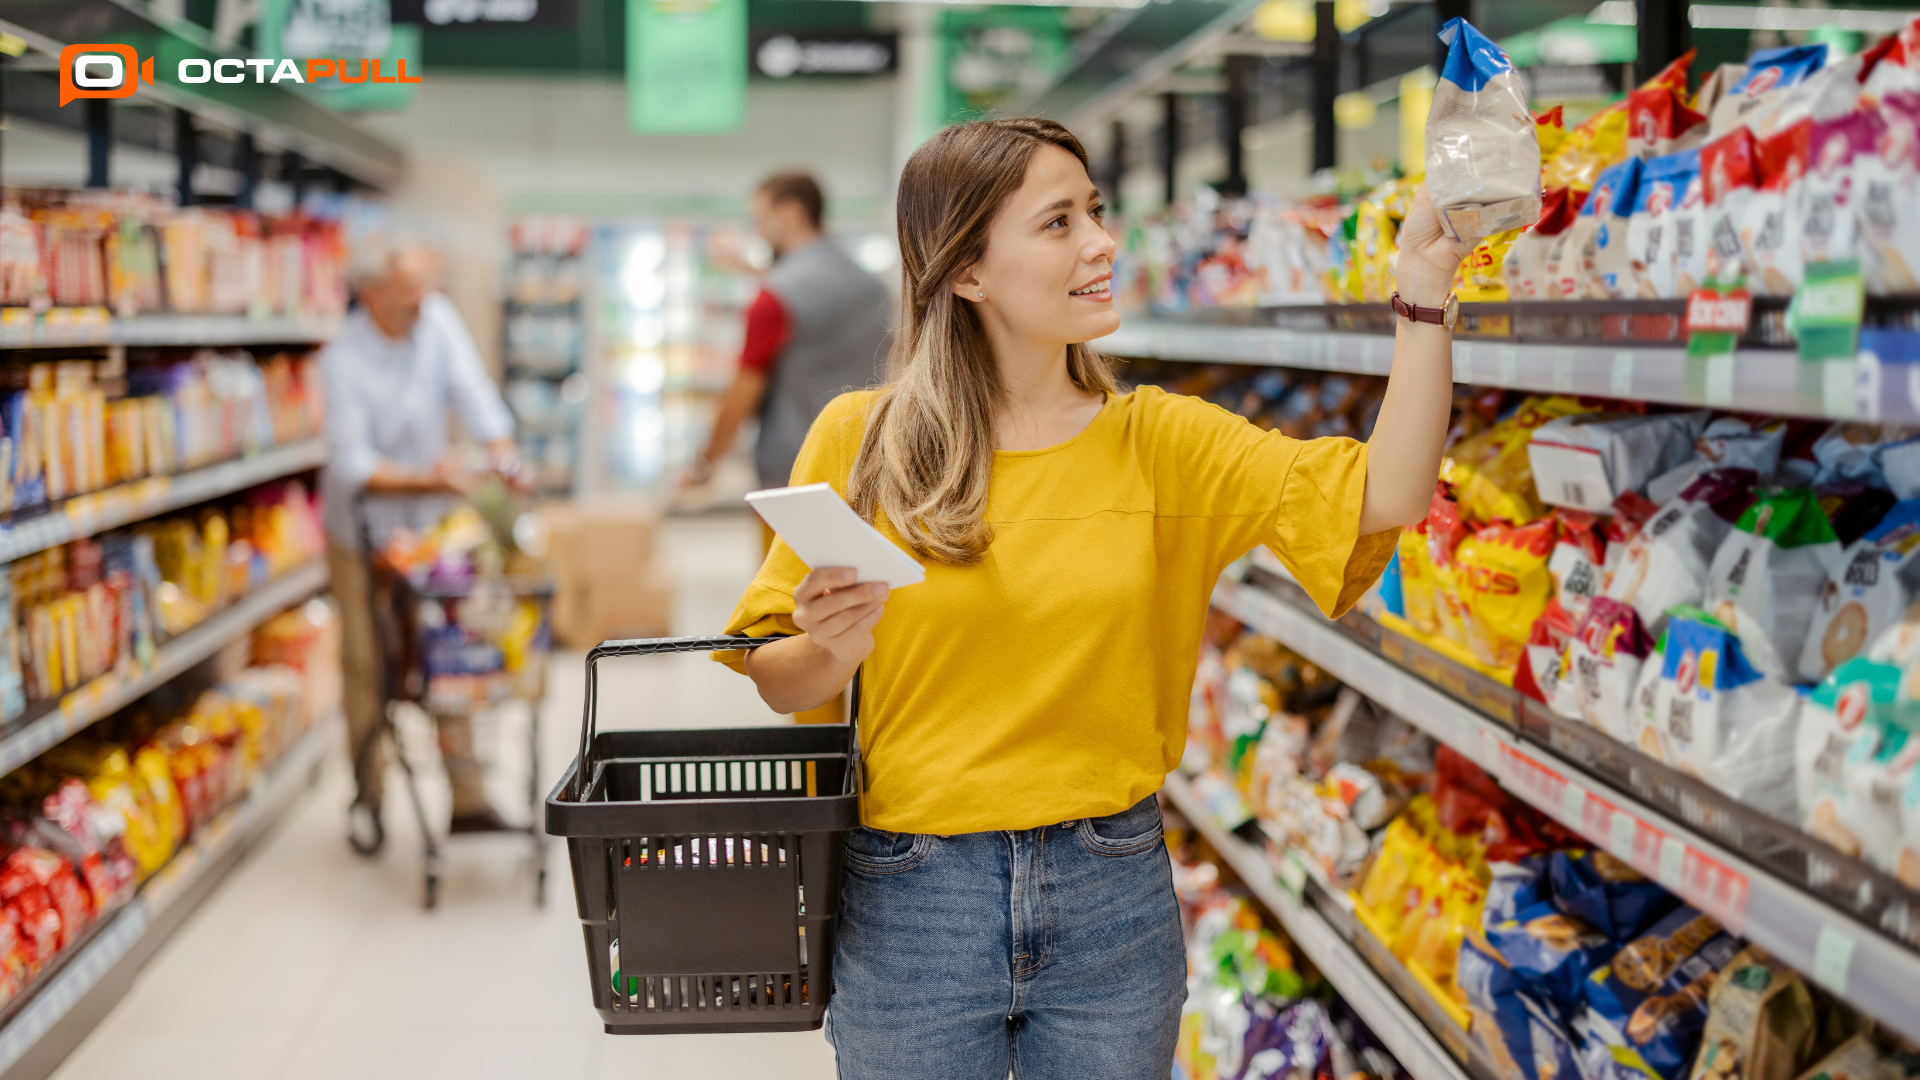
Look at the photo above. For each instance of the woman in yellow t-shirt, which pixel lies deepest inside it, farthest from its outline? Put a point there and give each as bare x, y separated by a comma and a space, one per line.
1008, 903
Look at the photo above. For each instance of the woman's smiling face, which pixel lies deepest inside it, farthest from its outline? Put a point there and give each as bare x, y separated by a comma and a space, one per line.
1048, 267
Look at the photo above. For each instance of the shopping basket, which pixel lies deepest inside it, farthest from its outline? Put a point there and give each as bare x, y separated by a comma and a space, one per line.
706, 863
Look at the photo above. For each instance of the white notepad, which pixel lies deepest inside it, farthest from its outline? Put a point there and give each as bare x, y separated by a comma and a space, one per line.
824, 531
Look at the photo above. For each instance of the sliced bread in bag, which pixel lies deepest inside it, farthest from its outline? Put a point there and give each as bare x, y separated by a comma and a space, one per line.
1483, 154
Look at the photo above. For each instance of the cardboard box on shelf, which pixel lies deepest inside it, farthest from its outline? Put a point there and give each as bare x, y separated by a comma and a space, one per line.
601, 555
597, 611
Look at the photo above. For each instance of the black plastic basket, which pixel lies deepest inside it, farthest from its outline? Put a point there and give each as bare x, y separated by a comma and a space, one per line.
706, 864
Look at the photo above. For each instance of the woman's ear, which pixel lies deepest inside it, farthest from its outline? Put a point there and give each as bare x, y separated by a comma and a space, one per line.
967, 287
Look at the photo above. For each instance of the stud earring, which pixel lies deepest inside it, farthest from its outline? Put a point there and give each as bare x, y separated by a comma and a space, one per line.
983, 294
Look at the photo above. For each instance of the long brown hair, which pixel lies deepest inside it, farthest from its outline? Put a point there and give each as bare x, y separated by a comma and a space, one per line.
927, 454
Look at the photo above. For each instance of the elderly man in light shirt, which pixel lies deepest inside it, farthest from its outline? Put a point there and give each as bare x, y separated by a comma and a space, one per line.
403, 359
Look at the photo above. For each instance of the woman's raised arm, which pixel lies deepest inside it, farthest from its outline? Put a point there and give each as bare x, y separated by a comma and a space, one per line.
1403, 456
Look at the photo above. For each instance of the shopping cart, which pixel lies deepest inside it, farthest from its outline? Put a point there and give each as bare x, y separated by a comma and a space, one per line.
706, 863
421, 626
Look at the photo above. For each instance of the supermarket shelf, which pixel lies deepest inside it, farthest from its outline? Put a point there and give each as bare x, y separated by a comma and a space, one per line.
112, 692
158, 330
1758, 380
85, 515
1873, 970
1415, 1047
73, 998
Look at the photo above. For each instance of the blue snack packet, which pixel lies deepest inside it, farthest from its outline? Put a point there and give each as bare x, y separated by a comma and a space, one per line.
1652, 999
1771, 69
1515, 887
1523, 1036
1550, 954
1606, 894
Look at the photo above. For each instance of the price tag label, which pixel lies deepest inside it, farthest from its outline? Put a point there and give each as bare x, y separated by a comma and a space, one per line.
1563, 370
1720, 379
1673, 860
1838, 394
1462, 362
1573, 805
1620, 377
1832, 959
1620, 832
1509, 359
1368, 356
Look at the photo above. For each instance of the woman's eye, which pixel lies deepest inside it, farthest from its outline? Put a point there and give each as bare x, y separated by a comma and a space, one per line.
1098, 212
1059, 222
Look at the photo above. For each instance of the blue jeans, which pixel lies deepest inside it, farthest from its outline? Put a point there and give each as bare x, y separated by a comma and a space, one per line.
1053, 954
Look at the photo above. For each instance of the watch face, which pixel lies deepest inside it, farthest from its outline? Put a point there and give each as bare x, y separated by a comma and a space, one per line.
1451, 311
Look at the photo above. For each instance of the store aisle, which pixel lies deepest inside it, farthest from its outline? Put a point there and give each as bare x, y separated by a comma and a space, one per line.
311, 963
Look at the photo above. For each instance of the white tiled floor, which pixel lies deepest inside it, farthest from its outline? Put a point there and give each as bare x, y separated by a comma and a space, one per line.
311, 963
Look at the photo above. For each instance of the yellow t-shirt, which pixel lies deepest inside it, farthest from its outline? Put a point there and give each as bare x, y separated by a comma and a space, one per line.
1050, 681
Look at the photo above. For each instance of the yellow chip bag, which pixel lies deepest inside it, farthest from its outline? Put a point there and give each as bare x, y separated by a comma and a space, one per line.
1504, 581
1589, 148
1550, 128
1374, 249
1491, 473
1480, 277
1416, 580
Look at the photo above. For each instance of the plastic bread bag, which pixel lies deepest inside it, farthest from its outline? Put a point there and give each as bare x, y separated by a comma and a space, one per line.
1663, 183
1665, 564
1761, 1023
1832, 229
1889, 182
1483, 155
1770, 230
1769, 71
1600, 233
1869, 592
1606, 894
1550, 954
1652, 999
1722, 721
1681, 264
1603, 662
1505, 584
1588, 460
1525, 269
1660, 123
1728, 178
1845, 791
1765, 581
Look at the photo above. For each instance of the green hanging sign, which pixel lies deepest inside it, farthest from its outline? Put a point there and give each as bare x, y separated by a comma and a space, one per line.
1824, 315
686, 66
362, 41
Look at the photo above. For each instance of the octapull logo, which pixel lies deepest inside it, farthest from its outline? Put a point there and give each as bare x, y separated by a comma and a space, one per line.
101, 71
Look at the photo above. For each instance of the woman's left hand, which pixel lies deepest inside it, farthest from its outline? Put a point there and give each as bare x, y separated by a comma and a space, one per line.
1428, 258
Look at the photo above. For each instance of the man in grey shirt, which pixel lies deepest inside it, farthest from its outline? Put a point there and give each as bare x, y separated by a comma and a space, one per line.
401, 361
817, 328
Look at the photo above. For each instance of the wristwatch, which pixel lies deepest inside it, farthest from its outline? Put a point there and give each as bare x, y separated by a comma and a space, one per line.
1445, 315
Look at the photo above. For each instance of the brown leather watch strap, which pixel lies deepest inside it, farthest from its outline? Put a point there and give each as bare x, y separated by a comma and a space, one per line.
1434, 315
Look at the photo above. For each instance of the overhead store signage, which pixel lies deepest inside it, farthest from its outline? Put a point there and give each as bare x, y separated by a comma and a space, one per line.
786, 54
462, 13
686, 66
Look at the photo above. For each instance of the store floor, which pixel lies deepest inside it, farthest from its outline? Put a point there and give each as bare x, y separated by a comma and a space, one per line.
311, 963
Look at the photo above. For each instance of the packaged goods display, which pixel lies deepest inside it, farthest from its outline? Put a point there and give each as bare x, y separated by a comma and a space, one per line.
75, 428
1557, 960
132, 254
1252, 1012
104, 604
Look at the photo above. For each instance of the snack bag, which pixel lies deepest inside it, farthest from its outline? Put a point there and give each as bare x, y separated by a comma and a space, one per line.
1600, 233
1900, 460
1681, 264
1715, 86
1597, 143
1845, 727
1589, 460
1867, 593
1606, 894
1761, 1023
1550, 129
1481, 278
1827, 94
1832, 230
1851, 452
1542, 671
1525, 269
1513, 887
1770, 231
1659, 122
1503, 575
1665, 564
1603, 662
1416, 579
1491, 471
1650, 1003
1768, 71
1663, 183
1578, 562
1888, 180
1483, 156
1719, 719
1857, 1059
1523, 1036
1728, 180
1766, 580
1374, 248
1550, 954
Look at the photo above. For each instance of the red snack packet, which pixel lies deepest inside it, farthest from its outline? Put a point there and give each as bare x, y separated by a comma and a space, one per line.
1657, 120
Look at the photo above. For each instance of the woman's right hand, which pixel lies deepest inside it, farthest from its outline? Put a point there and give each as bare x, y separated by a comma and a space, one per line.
838, 613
